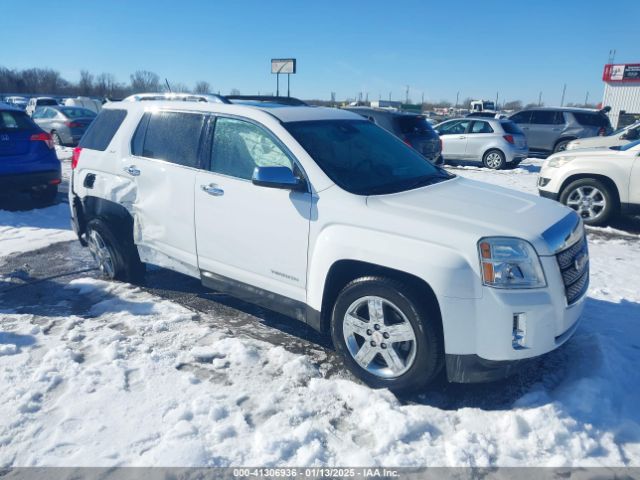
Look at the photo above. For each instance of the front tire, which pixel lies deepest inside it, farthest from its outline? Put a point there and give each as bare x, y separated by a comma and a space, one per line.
494, 159
117, 259
592, 199
386, 335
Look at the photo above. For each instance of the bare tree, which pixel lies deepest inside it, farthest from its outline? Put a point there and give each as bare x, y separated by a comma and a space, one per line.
86, 83
234, 91
105, 85
512, 105
180, 88
202, 87
145, 81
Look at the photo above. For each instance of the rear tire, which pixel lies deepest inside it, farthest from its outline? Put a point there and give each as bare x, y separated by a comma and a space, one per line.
592, 199
494, 159
366, 340
117, 258
561, 146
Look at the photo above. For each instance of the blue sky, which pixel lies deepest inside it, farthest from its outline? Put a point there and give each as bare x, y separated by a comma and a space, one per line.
518, 48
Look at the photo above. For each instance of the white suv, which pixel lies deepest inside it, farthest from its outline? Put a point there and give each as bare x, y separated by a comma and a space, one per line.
598, 183
321, 215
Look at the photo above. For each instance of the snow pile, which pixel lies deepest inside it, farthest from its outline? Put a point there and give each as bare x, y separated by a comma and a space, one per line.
141, 381
22, 231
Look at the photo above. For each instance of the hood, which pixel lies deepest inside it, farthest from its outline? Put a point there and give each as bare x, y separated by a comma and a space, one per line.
596, 142
460, 211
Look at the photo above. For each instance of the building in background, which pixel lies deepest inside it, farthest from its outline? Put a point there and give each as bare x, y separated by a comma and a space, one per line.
622, 93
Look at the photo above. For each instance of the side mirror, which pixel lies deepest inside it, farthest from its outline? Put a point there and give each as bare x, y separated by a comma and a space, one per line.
277, 177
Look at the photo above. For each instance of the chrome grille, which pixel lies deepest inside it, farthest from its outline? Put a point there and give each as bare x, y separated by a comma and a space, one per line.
574, 266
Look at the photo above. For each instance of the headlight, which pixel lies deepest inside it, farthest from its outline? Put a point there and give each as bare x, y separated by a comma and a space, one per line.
557, 162
509, 263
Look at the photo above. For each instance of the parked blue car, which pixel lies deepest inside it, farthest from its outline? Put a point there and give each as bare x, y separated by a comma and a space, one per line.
28, 161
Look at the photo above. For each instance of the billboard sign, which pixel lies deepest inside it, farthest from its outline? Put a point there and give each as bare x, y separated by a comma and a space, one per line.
283, 65
629, 72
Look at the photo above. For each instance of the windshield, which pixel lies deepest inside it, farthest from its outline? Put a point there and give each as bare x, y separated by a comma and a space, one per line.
363, 158
76, 112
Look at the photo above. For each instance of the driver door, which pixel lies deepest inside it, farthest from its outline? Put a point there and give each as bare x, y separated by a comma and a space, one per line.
250, 237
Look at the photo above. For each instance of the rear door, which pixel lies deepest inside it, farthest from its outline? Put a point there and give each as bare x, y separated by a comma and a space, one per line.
479, 135
545, 129
245, 233
166, 156
454, 139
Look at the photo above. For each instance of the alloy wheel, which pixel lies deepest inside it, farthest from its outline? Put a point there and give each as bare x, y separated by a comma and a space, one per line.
379, 337
588, 201
494, 160
101, 253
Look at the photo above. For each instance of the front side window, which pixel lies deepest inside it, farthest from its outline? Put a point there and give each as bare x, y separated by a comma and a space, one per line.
547, 117
239, 147
521, 117
454, 128
363, 158
174, 137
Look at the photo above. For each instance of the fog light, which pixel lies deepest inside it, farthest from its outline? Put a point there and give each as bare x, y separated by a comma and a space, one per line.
519, 333
543, 182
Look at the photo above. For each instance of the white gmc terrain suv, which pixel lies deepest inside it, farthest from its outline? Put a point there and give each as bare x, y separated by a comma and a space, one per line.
321, 215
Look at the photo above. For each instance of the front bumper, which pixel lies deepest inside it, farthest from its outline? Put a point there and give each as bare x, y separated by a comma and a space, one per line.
494, 336
26, 181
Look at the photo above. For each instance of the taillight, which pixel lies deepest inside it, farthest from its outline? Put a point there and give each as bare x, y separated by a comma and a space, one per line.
43, 137
73, 124
509, 138
76, 157
602, 132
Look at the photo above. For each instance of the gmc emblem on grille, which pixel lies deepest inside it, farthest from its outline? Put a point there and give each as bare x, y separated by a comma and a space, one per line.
4, 138
580, 261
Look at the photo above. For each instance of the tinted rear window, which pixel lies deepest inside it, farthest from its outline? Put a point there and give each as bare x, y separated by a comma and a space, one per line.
46, 101
173, 137
99, 135
512, 128
411, 124
14, 121
591, 119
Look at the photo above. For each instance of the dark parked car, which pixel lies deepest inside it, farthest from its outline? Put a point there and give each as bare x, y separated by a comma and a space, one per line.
411, 128
28, 159
550, 129
65, 124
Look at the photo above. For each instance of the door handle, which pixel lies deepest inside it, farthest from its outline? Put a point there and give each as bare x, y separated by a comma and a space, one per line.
132, 170
212, 189
462, 137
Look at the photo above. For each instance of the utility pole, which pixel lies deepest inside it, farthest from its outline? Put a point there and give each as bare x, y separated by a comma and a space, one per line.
422, 99
540, 99
564, 90
389, 96
407, 95
497, 95
586, 99
457, 98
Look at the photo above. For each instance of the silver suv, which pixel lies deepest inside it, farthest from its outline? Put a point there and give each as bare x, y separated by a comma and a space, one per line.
550, 129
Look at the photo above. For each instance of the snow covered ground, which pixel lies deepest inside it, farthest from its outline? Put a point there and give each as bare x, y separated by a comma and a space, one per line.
137, 380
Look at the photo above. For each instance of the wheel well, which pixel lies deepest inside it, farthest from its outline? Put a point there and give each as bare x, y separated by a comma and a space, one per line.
604, 179
563, 139
495, 149
117, 216
344, 271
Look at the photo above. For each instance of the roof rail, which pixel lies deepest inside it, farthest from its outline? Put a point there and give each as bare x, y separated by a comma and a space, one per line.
291, 101
178, 97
